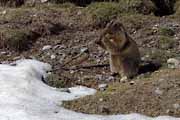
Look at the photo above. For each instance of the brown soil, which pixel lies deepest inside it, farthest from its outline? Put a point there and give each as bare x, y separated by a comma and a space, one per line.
154, 96
71, 33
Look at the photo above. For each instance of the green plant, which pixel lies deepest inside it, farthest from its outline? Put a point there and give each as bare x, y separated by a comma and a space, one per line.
166, 42
16, 39
11, 3
166, 31
101, 13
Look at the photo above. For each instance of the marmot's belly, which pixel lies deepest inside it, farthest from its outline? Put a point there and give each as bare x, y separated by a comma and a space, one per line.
126, 66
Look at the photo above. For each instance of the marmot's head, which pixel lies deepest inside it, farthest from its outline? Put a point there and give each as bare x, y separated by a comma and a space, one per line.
114, 26
114, 31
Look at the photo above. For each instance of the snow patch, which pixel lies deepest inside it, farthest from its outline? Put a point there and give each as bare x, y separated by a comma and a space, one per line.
23, 96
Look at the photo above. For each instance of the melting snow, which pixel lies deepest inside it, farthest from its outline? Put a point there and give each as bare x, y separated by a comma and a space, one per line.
23, 96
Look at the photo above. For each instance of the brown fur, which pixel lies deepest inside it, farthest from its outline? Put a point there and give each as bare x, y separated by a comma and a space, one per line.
123, 50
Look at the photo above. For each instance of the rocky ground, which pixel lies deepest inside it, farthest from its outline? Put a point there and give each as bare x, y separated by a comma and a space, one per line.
63, 35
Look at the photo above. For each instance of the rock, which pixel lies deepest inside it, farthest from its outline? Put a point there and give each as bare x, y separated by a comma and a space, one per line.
124, 79
4, 53
64, 90
110, 78
132, 83
46, 47
79, 13
158, 91
59, 47
101, 99
99, 77
4, 12
173, 63
72, 71
53, 56
17, 58
104, 109
44, 1
176, 106
102, 87
84, 50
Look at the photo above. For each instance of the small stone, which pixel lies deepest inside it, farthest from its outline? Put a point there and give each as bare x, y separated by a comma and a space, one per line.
17, 58
64, 90
158, 91
47, 47
160, 80
124, 79
53, 56
132, 83
176, 38
99, 77
101, 99
104, 109
110, 78
83, 50
59, 47
48, 53
79, 13
72, 71
5, 62
4, 12
44, 1
70, 24
3, 53
98, 60
102, 87
156, 25
56, 112
173, 63
176, 106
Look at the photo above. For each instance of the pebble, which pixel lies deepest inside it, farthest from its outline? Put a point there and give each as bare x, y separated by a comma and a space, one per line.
158, 91
44, 1
173, 63
132, 83
17, 58
4, 12
110, 78
83, 50
104, 109
79, 13
102, 87
53, 56
46, 47
59, 47
72, 71
176, 106
101, 99
99, 77
3, 53
124, 79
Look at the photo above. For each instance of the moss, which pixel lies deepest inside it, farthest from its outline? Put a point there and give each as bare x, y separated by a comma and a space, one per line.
16, 39
11, 3
165, 31
17, 14
161, 56
103, 12
166, 42
53, 80
177, 7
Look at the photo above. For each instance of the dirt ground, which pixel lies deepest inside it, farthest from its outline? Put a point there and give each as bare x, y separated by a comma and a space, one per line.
69, 34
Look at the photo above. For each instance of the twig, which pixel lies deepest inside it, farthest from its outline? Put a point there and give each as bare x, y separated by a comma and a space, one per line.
83, 67
91, 66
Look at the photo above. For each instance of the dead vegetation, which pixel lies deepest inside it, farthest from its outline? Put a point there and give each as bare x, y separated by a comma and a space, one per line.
16, 39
